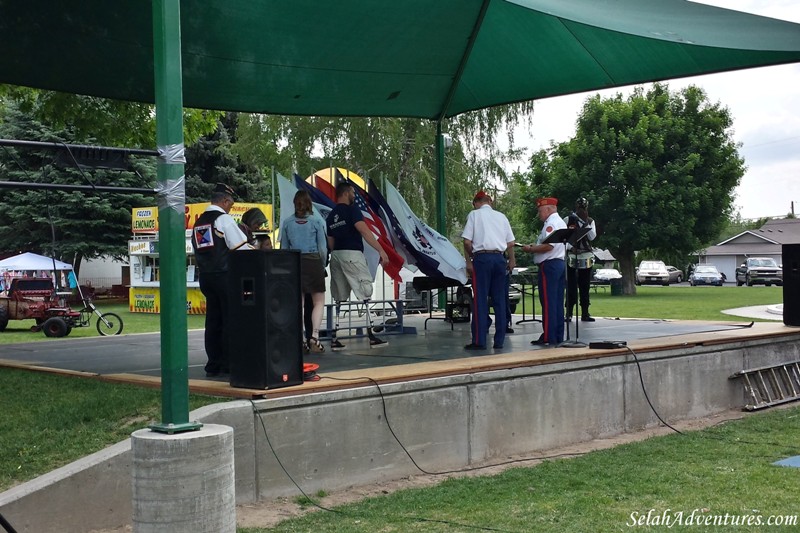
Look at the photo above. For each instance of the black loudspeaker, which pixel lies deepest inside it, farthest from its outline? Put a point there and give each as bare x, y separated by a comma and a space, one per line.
791, 284
265, 326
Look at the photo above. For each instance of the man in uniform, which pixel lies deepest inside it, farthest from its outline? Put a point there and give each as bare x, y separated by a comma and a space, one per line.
487, 236
550, 260
347, 233
215, 234
579, 260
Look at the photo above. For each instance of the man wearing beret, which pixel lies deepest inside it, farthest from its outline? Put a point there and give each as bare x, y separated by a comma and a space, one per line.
216, 233
550, 260
487, 235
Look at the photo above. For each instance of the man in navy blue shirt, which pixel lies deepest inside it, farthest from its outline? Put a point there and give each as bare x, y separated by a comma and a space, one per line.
347, 233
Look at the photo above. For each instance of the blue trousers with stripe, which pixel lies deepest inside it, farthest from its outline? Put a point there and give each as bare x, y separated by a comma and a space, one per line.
552, 278
488, 279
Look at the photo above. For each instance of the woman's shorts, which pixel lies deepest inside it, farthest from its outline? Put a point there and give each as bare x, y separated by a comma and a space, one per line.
312, 274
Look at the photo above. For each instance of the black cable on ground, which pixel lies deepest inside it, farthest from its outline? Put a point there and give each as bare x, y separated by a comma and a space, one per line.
323, 508
443, 472
463, 470
6, 525
711, 437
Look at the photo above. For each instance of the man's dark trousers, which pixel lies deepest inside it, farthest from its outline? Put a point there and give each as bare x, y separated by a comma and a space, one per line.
551, 297
488, 278
214, 287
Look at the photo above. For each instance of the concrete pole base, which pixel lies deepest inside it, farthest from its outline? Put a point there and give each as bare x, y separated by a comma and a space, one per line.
184, 482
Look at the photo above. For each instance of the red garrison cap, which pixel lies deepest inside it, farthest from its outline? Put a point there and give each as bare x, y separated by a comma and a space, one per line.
480, 195
546, 201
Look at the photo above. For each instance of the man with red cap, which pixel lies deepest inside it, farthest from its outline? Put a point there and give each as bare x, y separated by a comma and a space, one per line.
552, 276
487, 235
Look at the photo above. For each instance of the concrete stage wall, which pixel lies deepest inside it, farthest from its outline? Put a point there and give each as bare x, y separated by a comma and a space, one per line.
515, 404
333, 440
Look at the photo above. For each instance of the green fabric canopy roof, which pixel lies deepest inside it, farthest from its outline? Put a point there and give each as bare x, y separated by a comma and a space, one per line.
414, 58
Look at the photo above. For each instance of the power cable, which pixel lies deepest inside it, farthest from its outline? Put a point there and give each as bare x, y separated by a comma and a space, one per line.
463, 470
358, 515
704, 436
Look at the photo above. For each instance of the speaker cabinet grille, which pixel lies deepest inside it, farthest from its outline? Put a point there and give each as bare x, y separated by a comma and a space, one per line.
265, 337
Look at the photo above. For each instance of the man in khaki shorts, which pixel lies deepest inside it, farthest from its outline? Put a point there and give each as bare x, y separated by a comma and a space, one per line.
347, 232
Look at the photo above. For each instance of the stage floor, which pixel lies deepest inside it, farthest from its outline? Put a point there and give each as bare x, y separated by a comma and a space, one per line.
137, 358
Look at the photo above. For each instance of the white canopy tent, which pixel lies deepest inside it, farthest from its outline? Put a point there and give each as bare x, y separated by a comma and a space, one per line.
31, 261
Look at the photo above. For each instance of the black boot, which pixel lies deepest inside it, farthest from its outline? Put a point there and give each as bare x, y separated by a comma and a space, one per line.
585, 316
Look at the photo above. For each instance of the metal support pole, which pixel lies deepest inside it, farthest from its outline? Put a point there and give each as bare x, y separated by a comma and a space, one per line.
441, 196
171, 207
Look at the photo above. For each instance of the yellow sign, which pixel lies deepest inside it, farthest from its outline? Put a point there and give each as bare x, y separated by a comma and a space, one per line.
144, 300
145, 219
148, 300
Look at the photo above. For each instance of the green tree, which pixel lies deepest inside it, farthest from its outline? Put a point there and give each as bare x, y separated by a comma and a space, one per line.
659, 169
212, 159
401, 150
109, 122
69, 225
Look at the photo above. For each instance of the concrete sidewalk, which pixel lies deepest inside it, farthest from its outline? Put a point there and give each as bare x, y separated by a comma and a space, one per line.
763, 312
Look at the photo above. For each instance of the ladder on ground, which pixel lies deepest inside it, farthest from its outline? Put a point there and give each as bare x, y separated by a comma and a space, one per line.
771, 385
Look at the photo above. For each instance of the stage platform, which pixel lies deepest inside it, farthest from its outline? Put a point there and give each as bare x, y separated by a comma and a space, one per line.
435, 350
421, 402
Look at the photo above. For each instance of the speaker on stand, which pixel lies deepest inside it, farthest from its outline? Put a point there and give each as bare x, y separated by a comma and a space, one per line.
265, 326
791, 284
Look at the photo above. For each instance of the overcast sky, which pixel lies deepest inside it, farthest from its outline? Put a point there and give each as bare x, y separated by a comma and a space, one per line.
765, 105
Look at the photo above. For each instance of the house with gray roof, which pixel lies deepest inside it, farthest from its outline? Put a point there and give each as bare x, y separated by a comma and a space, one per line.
766, 241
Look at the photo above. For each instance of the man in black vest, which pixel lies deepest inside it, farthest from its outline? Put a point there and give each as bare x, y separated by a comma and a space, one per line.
215, 234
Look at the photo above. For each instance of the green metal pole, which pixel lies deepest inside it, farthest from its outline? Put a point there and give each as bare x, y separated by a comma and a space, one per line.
171, 222
441, 196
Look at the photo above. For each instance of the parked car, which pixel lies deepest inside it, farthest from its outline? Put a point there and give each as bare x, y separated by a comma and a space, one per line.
605, 275
675, 275
759, 270
705, 275
652, 272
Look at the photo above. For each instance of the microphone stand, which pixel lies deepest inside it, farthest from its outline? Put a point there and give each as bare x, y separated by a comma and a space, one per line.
574, 238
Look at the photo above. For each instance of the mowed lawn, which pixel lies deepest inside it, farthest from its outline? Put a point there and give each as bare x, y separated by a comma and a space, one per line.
678, 302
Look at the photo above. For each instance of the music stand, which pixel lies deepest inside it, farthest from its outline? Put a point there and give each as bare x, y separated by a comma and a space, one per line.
579, 234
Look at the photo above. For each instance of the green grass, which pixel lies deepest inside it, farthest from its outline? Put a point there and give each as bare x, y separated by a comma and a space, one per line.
19, 330
47, 421
677, 303
725, 469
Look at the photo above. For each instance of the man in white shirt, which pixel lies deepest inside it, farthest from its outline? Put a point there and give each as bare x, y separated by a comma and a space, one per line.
552, 273
487, 234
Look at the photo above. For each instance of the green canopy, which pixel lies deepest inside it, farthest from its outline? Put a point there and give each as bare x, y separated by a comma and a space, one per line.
413, 58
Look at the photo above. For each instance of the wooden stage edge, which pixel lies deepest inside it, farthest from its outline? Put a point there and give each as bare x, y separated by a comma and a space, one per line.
467, 365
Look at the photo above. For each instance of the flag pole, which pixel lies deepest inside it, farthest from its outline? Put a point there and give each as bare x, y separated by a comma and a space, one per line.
272, 222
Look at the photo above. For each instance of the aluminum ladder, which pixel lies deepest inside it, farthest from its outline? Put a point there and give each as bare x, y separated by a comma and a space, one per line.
771, 385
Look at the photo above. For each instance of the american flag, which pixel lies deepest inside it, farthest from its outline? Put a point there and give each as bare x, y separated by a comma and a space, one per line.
375, 224
430, 251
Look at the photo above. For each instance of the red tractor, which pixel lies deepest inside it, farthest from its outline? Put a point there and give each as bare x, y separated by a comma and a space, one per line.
35, 298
